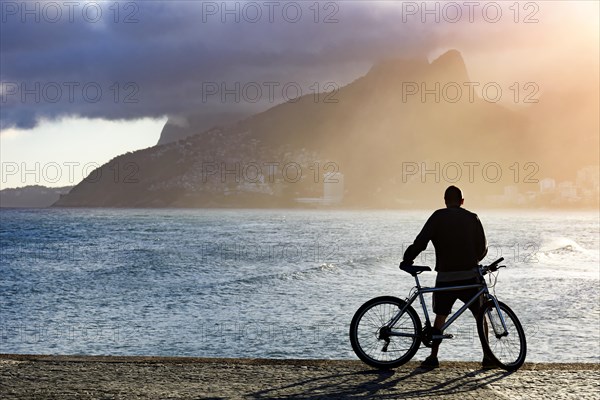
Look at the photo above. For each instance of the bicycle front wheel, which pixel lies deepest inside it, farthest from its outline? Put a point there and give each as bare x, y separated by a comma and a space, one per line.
506, 347
380, 344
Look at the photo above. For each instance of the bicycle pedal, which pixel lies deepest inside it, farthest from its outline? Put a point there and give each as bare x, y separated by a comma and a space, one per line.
445, 336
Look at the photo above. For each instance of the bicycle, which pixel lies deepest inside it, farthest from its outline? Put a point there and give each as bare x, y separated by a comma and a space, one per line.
386, 331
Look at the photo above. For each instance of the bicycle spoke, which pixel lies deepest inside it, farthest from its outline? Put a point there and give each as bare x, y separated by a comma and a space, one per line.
369, 329
504, 343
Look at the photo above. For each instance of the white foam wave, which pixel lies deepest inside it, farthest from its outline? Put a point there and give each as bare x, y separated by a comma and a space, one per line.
560, 245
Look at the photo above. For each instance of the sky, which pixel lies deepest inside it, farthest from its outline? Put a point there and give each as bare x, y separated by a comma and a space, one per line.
84, 81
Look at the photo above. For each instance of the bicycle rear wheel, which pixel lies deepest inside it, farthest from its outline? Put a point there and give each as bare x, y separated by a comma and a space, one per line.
507, 348
375, 343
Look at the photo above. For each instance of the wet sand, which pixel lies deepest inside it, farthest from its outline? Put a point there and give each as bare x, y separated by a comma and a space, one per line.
104, 377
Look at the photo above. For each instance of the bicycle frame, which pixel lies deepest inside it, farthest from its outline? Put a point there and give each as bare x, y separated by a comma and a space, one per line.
386, 331
483, 290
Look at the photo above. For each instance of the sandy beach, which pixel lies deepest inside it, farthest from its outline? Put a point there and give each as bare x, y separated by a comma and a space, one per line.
106, 377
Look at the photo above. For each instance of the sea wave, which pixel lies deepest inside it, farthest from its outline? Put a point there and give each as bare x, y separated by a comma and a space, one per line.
561, 245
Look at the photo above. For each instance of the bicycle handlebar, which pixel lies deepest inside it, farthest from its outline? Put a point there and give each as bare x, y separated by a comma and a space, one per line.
493, 266
498, 261
417, 269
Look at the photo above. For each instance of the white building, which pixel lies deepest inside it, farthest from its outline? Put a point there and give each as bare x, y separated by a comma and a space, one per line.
512, 196
511, 191
567, 190
547, 185
333, 187
588, 178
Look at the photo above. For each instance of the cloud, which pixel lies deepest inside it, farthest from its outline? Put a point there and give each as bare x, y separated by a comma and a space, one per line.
130, 60
157, 58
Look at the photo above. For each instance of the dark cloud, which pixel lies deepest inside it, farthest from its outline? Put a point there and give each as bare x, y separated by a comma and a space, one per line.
155, 58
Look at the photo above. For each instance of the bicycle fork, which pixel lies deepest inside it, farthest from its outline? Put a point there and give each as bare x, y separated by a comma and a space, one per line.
495, 326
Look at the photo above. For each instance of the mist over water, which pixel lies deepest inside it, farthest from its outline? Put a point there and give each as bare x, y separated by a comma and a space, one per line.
271, 283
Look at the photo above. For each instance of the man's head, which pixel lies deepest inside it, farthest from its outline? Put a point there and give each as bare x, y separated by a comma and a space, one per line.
453, 197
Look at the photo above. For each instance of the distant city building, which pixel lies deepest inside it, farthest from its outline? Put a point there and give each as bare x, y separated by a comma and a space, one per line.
567, 190
333, 187
584, 191
511, 191
333, 191
511, 196
588, 178
547, 185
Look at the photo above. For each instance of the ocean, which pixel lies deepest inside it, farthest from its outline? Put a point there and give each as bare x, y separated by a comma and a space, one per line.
272, 283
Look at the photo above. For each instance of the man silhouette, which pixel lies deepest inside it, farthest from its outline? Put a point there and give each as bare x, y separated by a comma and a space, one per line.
459, 241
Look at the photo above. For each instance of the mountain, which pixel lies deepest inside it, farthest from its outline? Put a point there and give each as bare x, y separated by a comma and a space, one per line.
35, 196
180, 128
399, 135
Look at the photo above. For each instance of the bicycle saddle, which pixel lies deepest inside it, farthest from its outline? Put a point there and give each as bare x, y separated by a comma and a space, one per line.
414, 269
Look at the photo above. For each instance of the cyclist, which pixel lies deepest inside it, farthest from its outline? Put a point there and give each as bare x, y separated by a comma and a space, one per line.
460, 243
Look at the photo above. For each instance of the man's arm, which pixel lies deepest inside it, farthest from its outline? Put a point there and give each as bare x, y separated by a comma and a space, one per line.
481, 241
420, 242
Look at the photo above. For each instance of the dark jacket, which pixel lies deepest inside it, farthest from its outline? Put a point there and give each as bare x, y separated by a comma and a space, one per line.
457, 236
